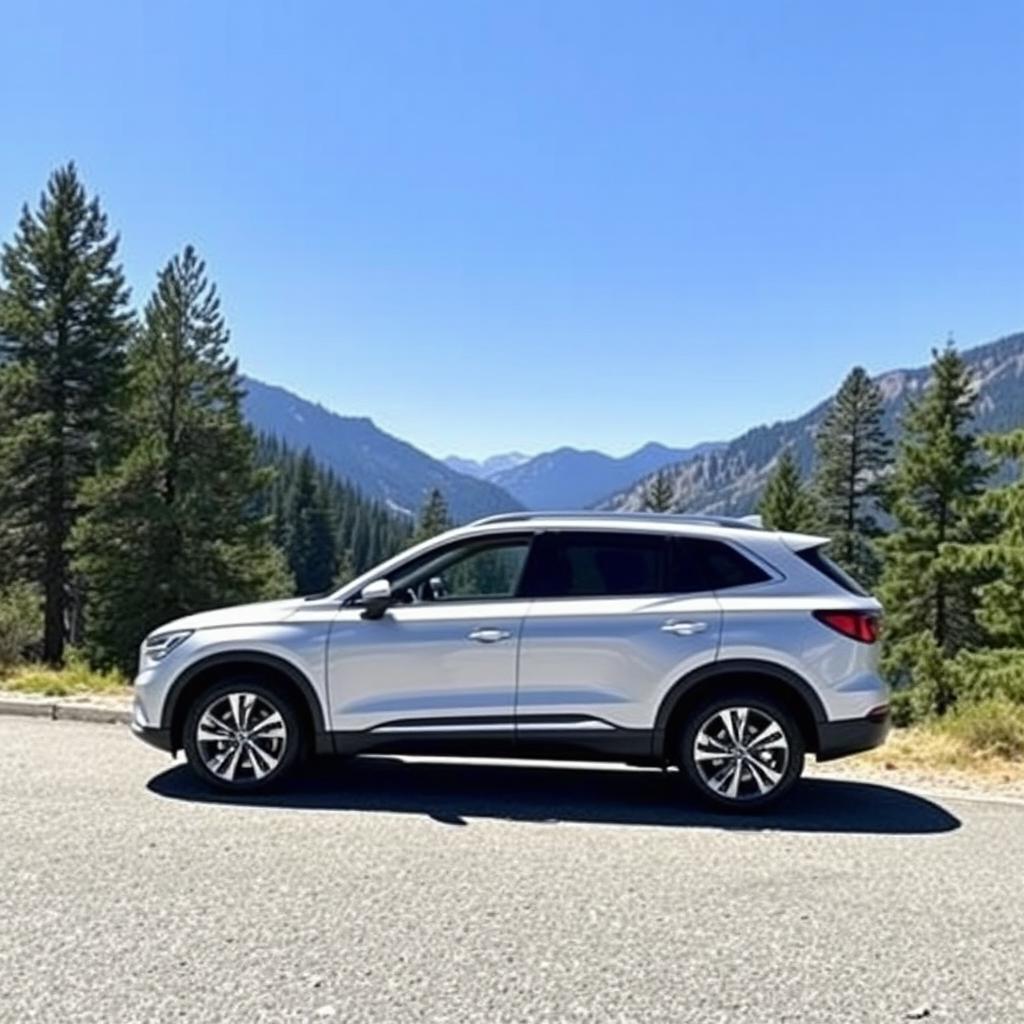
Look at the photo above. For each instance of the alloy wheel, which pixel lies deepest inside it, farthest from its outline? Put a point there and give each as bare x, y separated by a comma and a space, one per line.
241, 737
741, 753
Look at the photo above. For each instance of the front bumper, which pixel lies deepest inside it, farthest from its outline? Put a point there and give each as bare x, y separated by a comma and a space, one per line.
852, 735
159, 738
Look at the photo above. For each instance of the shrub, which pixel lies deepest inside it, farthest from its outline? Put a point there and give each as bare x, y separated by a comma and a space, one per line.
985, 674
21, 623
924, 681
904, 708
991, 726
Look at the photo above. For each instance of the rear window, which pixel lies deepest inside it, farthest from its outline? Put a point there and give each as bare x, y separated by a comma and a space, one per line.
699, 564
817, 559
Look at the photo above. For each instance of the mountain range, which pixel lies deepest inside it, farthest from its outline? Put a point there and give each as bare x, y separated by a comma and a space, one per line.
393, 471
380, 465
714, 477
729, 480
568, 478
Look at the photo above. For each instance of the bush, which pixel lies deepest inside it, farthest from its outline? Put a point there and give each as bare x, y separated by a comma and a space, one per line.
21, 623
981, 675
992, 726
903, 708
925, 683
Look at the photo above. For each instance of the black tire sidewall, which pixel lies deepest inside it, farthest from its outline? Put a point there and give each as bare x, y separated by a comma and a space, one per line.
778, 711
294, 738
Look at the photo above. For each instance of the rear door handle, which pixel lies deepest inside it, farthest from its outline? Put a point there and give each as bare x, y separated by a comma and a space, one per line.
683, 628
489, 636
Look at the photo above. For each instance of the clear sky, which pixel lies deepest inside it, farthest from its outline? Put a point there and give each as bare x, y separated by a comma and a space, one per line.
495, 225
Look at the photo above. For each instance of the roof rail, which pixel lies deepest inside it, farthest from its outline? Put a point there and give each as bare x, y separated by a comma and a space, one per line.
747, 523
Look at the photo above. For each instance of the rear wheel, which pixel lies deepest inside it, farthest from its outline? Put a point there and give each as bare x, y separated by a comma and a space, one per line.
741, 752
242, 734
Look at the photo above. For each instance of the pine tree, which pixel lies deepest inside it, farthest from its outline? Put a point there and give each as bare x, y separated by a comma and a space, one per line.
660, 494
64, 323
786, 503
362, 532
345, 571
433, 518
308, 535
174, 526
852, 456
934, 496
1000, 557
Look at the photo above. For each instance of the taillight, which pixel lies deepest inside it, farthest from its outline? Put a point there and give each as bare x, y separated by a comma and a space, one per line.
862, 626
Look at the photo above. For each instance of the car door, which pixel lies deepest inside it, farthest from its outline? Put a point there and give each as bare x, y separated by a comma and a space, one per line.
617, 618
442, 659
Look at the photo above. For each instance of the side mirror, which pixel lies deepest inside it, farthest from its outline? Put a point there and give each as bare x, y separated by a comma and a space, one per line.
375, 598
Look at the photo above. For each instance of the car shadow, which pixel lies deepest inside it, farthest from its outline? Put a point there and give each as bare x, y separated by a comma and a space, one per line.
451, 792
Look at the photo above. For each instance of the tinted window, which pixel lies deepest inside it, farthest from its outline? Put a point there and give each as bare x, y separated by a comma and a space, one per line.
817, 559
593, 564
710, 565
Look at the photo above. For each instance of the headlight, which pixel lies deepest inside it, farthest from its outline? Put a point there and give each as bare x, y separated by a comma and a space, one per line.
159, 646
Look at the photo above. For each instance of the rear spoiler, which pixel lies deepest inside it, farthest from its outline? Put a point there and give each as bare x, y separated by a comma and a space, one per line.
802, 541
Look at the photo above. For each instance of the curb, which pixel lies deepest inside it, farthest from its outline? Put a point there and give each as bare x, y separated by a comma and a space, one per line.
64, 710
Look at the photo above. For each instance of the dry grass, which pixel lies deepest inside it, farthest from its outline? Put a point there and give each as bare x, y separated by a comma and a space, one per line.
973, 751
922, 749
76, 679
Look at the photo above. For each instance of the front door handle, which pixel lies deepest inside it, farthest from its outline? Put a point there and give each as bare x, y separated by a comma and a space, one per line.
489, 636
684, 627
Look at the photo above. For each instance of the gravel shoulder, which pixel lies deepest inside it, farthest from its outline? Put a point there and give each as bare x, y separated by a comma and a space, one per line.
1005, 781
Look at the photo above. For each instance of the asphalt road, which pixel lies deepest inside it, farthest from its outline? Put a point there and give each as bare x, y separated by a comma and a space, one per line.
393, 891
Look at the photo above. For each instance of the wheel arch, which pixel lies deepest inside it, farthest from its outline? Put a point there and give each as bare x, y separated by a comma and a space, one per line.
217, 666
777, 680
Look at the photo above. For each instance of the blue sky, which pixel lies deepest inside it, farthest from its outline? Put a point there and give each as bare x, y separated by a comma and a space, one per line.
498, 225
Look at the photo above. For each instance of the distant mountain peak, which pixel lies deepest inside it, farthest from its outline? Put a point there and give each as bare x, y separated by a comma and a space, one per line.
485, 469
575, 478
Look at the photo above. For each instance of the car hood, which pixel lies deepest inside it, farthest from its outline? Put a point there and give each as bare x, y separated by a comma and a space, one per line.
236, 615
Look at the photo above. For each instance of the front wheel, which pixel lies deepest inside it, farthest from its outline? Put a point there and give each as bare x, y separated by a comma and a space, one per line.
242, 735
741, 752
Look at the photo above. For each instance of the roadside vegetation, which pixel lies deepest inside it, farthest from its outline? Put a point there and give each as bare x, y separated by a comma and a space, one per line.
75, 679
980, 742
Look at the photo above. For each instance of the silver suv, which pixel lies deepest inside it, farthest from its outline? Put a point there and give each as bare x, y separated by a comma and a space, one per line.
709, 644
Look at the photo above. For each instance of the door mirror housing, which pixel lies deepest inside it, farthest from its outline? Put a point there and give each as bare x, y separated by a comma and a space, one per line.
375, 598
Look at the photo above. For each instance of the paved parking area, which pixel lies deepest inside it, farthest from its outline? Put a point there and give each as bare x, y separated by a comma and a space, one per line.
386, 890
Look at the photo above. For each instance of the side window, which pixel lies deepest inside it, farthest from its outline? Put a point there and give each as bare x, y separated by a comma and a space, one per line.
595, 564
699, 564
465, 572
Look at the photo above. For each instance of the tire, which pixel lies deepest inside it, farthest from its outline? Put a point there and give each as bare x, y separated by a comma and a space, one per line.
761, 745
242, 735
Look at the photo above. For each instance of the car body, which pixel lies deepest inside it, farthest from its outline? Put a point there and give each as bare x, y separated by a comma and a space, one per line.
583, 635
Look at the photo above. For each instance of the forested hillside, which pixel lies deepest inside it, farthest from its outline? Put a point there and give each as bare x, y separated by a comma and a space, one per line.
328, 530
383, 467
730, 480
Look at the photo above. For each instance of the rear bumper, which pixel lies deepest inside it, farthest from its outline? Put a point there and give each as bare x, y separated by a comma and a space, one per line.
851, 735
159, 738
